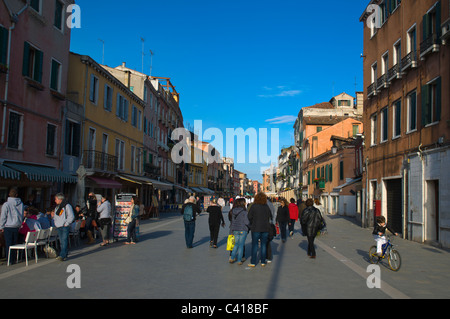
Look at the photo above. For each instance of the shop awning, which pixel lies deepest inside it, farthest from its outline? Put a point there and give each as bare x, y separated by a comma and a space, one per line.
187, 190
161, 186
207, 190
145, 180
42, 173
8, 173
103, 182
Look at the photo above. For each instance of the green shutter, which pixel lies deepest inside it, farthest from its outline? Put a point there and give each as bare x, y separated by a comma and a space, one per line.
330, 177
3, 45
438, 99
341, 170
39, 60
54, 75
438, 20
425, 27
425, 105
26, 59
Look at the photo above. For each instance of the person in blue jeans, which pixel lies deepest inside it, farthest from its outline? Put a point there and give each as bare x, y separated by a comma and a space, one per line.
62, 216
239, 228
191, 209
259, 216
11, 218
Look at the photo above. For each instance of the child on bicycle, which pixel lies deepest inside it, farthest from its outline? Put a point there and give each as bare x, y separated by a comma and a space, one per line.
379, 233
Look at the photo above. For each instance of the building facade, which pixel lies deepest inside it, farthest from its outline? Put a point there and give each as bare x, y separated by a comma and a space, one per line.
407, 116
111, 144
34, 62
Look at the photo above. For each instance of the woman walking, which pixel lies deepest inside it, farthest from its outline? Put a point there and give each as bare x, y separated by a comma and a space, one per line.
283, 218
132, 220
239, 228
215, 220
104, 209
259, 216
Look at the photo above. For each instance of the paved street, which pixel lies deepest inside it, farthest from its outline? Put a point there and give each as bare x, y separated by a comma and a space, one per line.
160, 267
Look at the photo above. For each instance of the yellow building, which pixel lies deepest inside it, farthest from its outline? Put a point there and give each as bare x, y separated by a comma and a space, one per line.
112, 128
198, 168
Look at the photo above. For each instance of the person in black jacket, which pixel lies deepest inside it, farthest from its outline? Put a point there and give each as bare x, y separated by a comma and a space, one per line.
215, 220
379, 233
311, 222
283, 218
259, 216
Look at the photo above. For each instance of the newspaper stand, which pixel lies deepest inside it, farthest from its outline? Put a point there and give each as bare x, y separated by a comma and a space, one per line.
123, 205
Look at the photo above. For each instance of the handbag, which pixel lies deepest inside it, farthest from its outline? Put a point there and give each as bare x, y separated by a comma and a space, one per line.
230, 242
129, 219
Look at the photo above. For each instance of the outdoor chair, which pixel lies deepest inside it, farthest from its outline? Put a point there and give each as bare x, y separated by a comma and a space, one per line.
30, 243
75, 234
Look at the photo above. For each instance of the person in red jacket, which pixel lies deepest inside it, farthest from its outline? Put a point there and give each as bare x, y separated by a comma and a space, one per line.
293, 215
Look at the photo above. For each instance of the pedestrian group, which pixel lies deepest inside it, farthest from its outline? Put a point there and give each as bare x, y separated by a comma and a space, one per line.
257, 217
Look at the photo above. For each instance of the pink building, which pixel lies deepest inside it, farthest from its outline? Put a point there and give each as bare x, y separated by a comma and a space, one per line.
34, 53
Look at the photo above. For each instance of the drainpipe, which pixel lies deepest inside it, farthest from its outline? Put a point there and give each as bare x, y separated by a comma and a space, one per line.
423, 191
14, 20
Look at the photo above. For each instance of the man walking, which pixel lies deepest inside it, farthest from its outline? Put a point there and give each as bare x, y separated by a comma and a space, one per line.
189, 211
62, 217
11, 219
311, 222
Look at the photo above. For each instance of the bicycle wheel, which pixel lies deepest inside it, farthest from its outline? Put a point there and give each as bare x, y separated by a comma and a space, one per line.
373, 256
394, 260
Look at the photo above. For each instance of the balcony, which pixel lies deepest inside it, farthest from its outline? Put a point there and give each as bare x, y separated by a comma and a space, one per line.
372, 90
395, 72
320, 184
409, 61
382, 82
152, 170
100, 162
429, 45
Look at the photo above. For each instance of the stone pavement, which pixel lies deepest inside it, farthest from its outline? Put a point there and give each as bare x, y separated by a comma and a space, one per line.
160, 267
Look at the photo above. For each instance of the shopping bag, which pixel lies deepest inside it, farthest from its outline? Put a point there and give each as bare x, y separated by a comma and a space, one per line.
278, 228
230, 242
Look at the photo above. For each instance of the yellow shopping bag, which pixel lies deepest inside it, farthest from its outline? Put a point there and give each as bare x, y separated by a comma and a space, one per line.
230, 242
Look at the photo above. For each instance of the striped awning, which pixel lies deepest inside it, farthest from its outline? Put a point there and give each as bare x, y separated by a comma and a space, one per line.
42, 173
8, 173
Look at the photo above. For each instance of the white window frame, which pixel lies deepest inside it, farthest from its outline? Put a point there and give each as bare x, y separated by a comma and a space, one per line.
374, 72
20, 133
397, 49
373, 129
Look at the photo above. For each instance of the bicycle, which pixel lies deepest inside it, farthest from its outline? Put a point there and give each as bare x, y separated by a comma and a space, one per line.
389, 253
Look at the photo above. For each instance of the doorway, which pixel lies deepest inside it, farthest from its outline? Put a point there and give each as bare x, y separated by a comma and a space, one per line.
432, 211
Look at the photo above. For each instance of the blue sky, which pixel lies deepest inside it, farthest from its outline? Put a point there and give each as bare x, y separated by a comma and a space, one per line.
236, 64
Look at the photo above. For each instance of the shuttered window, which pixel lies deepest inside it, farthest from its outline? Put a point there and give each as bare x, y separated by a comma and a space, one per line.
32, 62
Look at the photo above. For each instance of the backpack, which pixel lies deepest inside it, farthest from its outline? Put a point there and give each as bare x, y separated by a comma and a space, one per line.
188, 214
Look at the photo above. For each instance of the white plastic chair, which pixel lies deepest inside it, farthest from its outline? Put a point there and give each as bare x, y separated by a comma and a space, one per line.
30, 243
